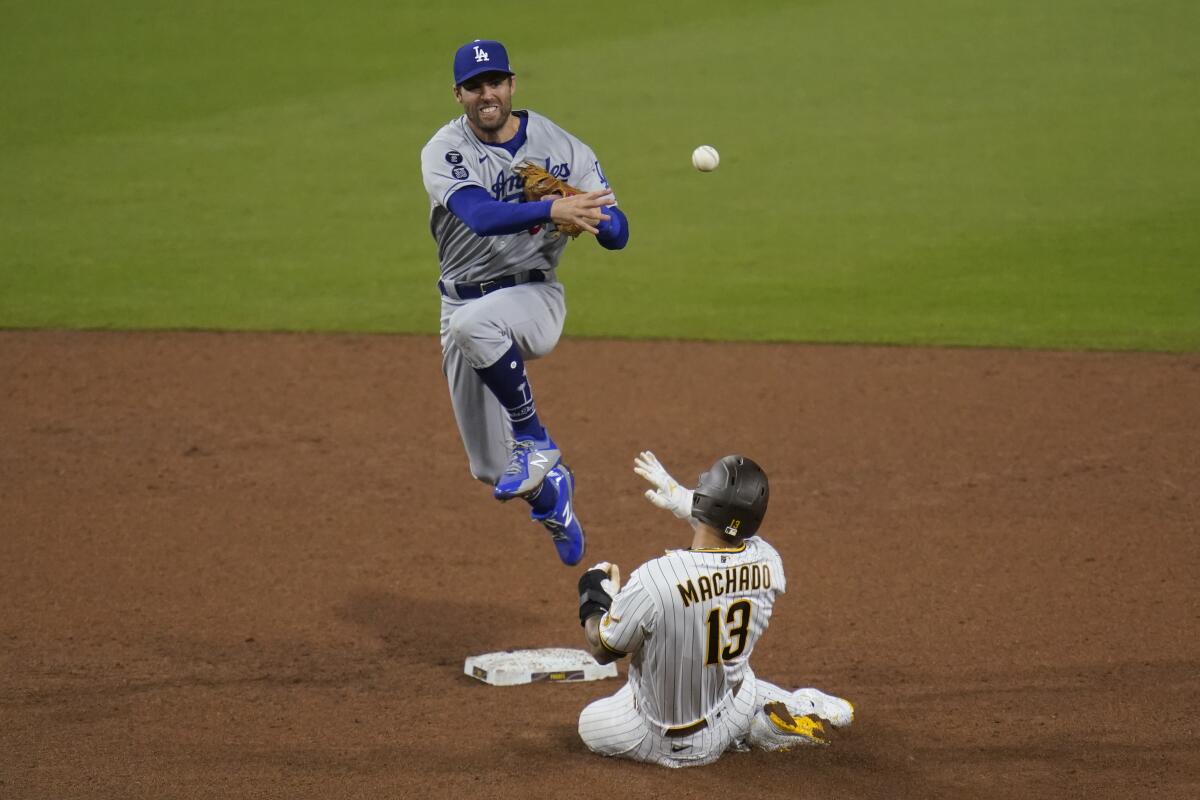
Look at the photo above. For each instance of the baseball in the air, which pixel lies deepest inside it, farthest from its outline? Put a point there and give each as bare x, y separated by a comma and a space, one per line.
705, 158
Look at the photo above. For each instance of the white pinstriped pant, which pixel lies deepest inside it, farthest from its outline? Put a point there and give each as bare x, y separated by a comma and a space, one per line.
612, 726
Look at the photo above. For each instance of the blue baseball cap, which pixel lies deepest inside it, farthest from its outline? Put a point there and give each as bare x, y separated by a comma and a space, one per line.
481, 55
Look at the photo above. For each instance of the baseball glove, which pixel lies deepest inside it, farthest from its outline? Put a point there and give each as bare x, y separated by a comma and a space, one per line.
539, 184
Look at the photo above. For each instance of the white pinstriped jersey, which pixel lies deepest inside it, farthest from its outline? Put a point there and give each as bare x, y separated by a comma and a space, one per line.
691, 619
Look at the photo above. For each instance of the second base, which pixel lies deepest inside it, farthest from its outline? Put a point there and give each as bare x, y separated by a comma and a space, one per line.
553, 664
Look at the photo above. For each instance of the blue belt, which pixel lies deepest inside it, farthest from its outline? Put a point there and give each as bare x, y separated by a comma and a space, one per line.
471, 291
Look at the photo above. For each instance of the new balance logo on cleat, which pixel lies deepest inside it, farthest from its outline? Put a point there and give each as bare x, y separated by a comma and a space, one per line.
529, 462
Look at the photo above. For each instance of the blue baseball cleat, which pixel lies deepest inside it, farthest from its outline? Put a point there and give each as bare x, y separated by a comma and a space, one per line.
528, 465
561, 521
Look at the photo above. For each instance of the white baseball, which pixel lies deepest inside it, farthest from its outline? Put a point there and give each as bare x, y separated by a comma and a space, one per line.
705, 158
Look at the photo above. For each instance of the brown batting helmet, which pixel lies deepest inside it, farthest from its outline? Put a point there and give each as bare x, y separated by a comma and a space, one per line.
732, 497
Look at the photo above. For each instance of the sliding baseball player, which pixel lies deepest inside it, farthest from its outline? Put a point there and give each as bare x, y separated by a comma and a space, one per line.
690, 620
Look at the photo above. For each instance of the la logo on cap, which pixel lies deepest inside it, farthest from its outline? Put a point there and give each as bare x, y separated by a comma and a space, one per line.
478, 56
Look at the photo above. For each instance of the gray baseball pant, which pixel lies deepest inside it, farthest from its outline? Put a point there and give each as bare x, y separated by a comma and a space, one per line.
475, 333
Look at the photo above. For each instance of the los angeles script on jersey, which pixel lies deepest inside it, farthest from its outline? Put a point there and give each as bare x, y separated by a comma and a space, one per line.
509, 187
745, 578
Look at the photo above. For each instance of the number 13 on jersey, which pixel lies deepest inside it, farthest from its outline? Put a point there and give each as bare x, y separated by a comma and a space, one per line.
728, 627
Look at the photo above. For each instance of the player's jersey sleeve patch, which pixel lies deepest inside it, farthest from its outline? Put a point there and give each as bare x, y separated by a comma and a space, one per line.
454, 157
460, 172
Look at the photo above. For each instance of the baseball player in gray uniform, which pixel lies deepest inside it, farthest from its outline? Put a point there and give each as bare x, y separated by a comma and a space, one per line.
690, 620
501, 300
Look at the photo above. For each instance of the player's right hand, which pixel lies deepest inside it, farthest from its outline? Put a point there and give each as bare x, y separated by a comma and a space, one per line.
667, 494
584, 210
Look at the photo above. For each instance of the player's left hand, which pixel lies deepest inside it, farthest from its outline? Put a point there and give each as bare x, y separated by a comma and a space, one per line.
611, 584
667, 493
594, 595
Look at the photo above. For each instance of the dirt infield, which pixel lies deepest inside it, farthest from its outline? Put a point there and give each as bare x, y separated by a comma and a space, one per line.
252, 566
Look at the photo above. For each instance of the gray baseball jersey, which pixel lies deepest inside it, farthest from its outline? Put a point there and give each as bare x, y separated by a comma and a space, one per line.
455, 158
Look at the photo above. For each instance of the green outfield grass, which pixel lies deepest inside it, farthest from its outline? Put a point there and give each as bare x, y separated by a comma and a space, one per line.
936, 171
